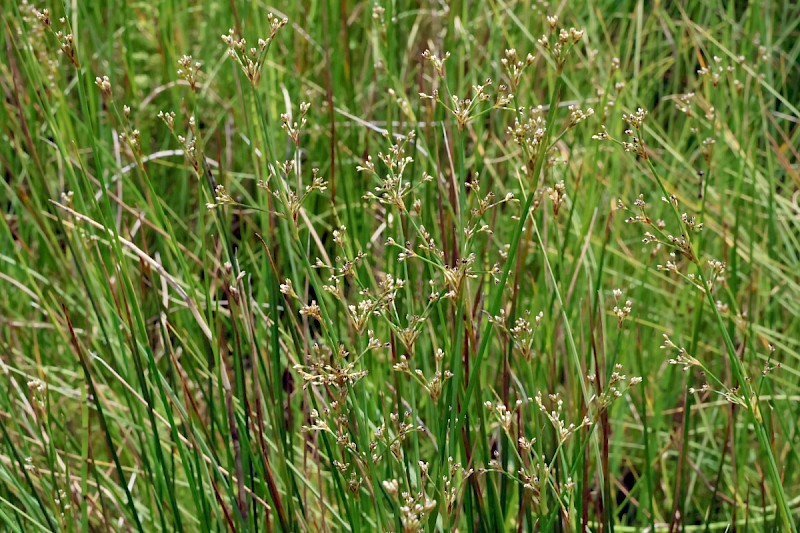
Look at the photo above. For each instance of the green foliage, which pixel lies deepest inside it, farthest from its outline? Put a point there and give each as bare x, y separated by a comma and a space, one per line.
486, 266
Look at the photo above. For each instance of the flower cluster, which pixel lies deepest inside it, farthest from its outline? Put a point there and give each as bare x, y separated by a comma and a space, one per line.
251, 60
559, 41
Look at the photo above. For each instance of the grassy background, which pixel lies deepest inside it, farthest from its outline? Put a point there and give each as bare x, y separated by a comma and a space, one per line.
155, 377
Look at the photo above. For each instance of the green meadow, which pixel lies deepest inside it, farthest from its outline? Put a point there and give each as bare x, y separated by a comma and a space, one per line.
399, 266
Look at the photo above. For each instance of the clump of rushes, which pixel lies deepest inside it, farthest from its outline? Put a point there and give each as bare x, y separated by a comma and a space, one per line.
371, 272
707, 276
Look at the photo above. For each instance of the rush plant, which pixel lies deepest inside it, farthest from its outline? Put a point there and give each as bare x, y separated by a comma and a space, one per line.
399, 266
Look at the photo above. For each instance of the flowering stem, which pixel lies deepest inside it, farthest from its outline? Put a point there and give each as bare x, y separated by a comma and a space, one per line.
750, 399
